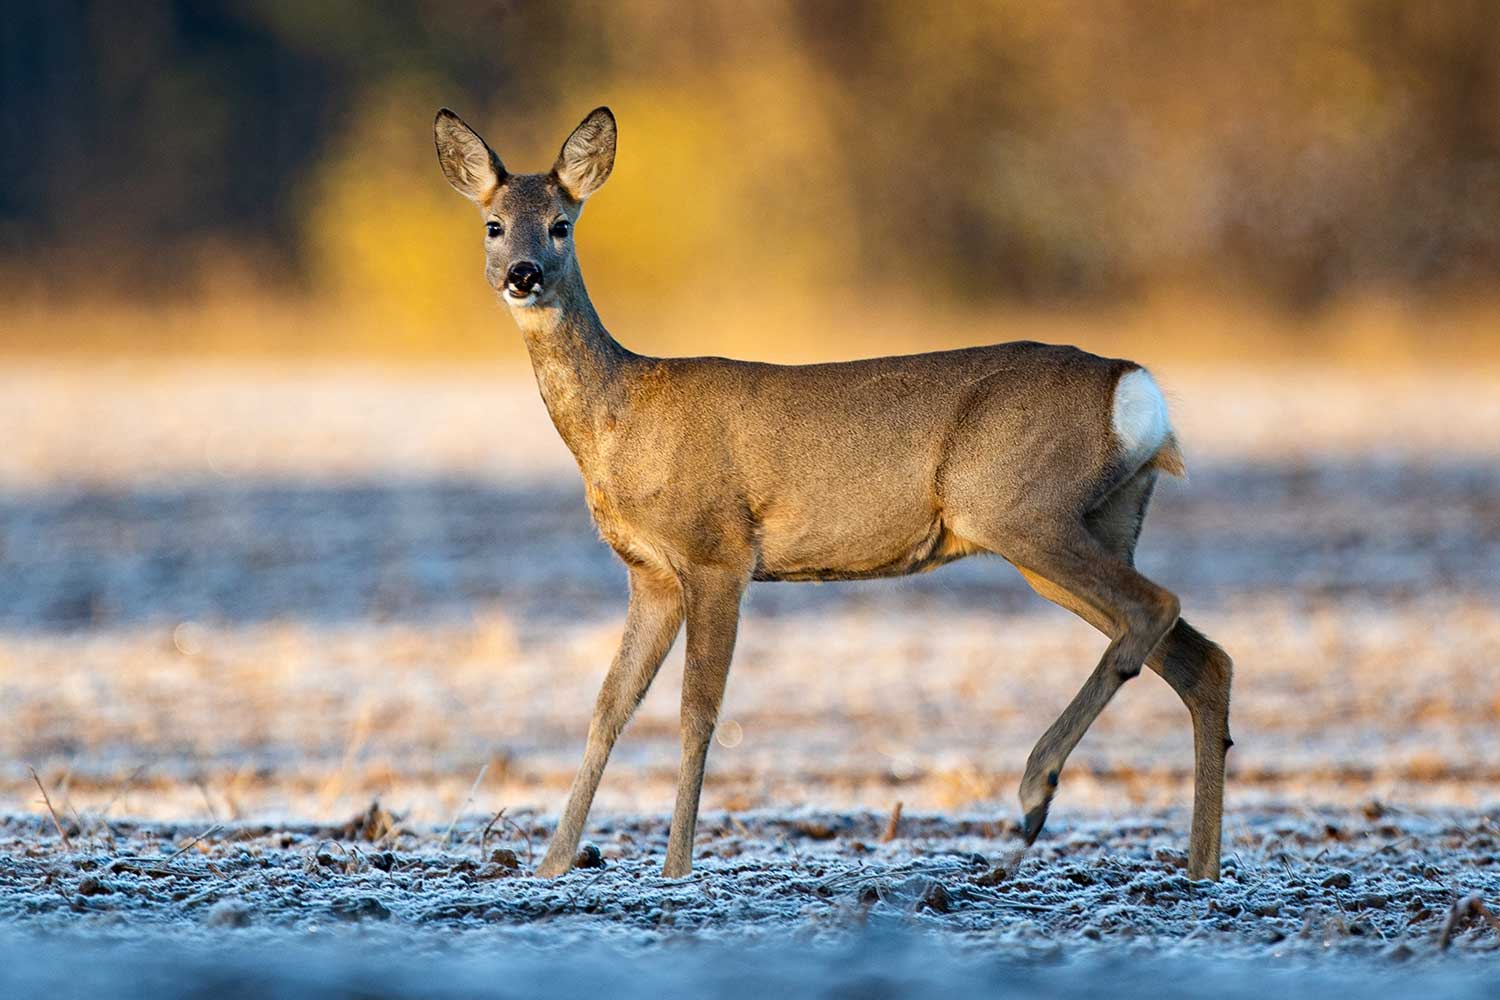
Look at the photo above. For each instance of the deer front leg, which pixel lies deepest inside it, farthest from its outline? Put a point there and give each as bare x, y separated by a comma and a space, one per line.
1044, 765
713, 613
650, 626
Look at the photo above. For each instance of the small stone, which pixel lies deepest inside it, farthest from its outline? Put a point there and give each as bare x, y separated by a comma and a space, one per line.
361, 908
1338, 880
505, 857
228, 913
494, 871
589, 857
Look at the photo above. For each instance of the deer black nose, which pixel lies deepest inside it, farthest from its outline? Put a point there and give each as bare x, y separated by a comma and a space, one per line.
523, 276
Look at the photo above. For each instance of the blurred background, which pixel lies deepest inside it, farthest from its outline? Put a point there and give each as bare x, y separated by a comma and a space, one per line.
257, 177
284, 527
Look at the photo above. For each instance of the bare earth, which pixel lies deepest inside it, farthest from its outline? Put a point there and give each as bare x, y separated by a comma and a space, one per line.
252, 602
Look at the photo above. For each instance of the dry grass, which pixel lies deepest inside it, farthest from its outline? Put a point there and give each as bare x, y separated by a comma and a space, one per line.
282, 593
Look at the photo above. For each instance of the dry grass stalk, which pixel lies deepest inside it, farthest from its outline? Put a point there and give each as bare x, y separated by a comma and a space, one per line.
375, 824
489, 828
184, 848
500, 817
120, 792
893, 826
1467, 908
50, 811
359, 735
484, 835
448, 833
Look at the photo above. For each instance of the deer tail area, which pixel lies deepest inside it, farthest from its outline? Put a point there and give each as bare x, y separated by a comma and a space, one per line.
1141, 426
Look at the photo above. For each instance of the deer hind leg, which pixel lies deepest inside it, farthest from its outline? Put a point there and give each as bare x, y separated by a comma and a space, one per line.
650, 627
1200, 672
1137, 614
1196, 668
713, 610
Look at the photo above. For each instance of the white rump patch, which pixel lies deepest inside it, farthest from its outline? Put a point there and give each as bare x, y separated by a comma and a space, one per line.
1140, 417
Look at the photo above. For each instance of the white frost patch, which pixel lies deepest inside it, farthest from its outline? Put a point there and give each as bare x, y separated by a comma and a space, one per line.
1140, 416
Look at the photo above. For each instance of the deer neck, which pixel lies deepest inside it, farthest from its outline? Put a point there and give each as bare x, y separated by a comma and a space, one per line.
577, 366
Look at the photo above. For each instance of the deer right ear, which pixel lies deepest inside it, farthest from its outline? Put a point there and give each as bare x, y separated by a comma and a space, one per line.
588, 156
470, 165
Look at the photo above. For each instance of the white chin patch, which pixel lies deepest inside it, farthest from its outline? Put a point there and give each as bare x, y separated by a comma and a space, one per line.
522, 301
1140, 417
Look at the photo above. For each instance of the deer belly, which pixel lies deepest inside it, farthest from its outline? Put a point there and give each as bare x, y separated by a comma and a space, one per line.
853, 547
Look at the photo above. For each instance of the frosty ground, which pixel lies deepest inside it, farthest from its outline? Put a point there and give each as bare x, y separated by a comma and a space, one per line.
823, 900
238, 606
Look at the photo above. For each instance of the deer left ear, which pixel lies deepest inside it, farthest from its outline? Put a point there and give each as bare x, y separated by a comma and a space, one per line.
588, 156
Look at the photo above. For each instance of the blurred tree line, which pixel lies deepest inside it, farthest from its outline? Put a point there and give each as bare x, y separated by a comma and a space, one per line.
1296, 151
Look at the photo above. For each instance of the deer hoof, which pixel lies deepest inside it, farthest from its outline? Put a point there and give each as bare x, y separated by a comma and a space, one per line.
1033, 822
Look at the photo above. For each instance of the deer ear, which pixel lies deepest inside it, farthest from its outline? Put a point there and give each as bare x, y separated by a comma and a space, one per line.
470, 165
588, 156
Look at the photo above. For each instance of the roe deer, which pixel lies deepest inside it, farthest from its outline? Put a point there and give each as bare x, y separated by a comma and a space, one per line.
704, 474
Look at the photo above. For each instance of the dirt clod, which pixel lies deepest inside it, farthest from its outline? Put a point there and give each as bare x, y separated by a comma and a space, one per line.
374, 824
936, 899
360, 908
94, 887
994, 876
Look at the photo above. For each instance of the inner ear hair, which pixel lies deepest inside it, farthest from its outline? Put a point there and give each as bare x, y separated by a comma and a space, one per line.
587, 157
470, 165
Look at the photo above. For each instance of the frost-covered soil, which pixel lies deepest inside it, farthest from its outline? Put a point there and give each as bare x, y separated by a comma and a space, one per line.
933, 907
246, 603
1375, 881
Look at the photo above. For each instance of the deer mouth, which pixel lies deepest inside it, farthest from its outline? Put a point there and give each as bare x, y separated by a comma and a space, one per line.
516, 297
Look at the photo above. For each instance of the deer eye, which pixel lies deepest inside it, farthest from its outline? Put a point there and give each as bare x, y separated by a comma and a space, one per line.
493, 230
561, 228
